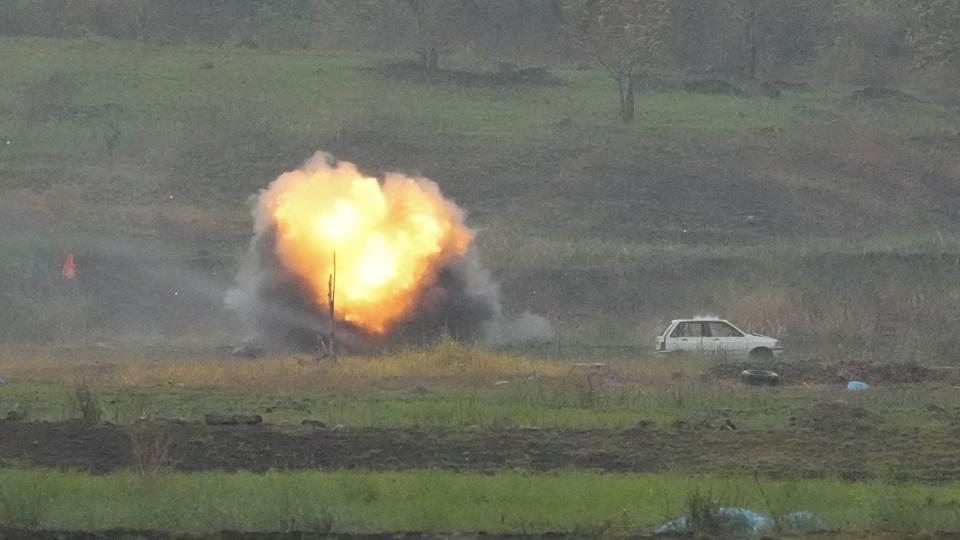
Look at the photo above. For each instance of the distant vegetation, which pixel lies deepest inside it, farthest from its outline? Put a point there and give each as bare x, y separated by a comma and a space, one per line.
789, 165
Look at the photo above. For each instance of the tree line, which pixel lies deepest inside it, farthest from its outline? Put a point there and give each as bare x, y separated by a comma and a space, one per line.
875, 42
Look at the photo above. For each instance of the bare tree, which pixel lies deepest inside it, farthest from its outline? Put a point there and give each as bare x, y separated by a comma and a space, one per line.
436, 21
748, 14
625, 37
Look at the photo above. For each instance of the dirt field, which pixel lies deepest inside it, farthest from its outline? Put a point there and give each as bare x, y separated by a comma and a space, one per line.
833, 440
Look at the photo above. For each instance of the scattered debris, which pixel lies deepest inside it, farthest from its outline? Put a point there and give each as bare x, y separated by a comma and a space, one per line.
233, 419
740, 521
815, 371
802, 521
760, 377
857, 386
722, 520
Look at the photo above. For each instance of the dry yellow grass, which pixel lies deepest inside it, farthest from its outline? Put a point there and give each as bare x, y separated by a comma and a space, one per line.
449, 365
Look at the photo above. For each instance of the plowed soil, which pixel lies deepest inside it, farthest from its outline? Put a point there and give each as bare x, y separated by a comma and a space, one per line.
806, 449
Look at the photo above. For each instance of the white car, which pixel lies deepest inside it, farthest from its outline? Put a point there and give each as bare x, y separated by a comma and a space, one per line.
716, 337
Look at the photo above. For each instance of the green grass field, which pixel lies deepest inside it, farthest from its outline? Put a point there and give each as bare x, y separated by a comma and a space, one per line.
438, 501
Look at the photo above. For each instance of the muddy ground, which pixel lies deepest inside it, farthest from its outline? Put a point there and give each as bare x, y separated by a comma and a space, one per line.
839, 443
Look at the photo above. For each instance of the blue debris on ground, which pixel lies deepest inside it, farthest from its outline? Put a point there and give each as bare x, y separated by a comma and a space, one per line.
744, 521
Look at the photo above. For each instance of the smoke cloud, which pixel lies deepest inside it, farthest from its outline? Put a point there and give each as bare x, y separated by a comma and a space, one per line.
280, 307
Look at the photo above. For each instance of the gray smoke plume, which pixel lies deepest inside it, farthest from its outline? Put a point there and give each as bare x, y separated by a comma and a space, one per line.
277, 308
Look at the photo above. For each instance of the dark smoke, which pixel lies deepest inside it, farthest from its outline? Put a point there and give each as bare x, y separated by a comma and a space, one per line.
277, 310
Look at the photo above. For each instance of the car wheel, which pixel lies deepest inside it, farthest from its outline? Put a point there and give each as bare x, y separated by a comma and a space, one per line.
760, 377
761, 355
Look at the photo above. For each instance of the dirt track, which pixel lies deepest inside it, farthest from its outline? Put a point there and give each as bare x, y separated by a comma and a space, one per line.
836, 449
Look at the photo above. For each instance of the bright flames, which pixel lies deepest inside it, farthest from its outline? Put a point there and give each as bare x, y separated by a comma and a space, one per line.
390, 239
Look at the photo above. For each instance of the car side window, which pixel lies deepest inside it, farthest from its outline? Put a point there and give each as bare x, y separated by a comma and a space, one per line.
687, 329
722, 330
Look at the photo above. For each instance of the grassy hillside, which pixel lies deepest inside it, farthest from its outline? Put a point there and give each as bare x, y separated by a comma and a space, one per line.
812, 215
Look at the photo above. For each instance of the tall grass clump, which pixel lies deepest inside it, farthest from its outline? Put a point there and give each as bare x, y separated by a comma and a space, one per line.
85, 403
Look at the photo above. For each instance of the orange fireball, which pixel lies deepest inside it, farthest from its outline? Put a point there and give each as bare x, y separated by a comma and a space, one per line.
390, 239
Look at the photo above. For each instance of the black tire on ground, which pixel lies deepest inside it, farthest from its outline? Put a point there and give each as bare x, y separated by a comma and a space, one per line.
761, 354
760, 377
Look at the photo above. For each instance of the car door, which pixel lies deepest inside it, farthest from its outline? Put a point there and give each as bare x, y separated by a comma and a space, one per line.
722, 339
686, 337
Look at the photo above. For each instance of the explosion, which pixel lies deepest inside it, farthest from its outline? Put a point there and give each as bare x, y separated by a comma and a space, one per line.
389, 239
396, 249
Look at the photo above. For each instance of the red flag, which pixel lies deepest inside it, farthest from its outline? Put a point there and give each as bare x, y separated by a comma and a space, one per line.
69, 270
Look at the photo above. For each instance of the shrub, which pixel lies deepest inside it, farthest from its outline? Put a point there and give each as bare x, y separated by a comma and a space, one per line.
85, 403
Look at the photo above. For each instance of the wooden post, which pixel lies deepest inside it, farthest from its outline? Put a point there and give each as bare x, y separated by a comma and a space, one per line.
332, 297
